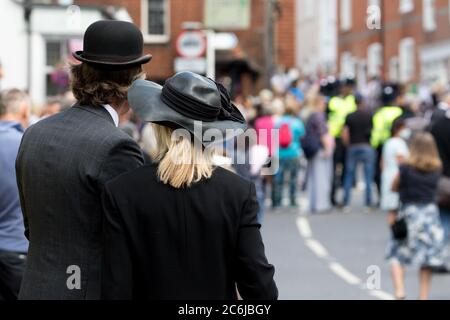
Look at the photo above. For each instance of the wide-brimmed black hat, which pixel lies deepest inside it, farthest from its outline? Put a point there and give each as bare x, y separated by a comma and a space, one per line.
186, 100
113, 43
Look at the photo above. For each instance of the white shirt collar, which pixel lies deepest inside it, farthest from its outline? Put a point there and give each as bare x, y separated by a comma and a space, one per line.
113, 113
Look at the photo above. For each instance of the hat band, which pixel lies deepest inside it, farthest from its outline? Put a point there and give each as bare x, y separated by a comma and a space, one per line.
187, 106
109, 58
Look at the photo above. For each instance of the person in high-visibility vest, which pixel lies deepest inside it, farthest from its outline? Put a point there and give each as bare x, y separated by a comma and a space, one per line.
339, 107
383, 120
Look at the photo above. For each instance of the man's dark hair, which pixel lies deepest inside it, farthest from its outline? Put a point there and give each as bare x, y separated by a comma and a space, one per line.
97, 86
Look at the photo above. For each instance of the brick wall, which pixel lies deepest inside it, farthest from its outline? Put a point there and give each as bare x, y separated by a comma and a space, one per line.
285, 34
251, 41
396, 26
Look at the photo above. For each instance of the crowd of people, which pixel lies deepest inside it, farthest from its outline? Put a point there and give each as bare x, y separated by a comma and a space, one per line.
315, 133
399, 138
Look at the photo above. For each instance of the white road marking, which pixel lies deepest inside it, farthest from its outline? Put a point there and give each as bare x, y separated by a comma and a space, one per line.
381, 295
319, 250
316, 247
303, 227
344, 274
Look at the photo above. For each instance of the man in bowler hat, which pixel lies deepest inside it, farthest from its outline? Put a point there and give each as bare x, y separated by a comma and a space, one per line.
65, 160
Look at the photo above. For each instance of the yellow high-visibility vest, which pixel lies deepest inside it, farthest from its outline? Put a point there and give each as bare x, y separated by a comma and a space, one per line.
339, 109
382, 124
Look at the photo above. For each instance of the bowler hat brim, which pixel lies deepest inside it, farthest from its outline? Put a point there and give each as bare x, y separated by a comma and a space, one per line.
109, 62
145, 100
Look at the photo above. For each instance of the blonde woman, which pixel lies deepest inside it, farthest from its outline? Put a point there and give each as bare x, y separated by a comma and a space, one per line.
421, 242
181, 228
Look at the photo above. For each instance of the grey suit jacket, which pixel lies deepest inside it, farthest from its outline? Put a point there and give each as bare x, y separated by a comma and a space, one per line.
63, 163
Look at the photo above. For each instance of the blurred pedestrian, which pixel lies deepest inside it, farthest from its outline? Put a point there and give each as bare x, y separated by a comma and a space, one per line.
14, 115
395, 152
291, 130
248, 159
296, 92
53, 106
373, 94
339, 107
383, 120
356, 137
320, 145
421, 243
193, 227
441, 110
65, 160
264, 126
441, 132
2, 74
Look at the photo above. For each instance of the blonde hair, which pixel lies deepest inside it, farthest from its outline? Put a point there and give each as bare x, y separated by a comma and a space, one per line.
181, 162
424, 155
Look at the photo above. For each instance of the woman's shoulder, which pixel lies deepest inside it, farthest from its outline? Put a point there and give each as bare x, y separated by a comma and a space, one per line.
408, 169
146, 174
225, 176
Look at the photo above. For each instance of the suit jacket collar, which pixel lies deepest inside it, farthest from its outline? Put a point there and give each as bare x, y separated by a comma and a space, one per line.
100, 111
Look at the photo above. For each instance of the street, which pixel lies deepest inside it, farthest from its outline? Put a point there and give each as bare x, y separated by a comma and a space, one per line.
334, 256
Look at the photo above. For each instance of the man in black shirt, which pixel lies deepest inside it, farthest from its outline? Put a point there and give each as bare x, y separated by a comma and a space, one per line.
356, 135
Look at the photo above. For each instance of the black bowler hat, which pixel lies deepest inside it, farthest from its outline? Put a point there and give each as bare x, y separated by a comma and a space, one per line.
113, 43
185, 99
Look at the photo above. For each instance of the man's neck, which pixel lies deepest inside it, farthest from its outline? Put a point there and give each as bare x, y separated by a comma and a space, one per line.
119, 109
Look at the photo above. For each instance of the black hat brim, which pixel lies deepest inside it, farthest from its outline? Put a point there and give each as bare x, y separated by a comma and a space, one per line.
138, 61
145, 100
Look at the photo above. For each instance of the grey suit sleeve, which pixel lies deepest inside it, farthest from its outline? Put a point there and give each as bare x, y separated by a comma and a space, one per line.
123, 157
254, 273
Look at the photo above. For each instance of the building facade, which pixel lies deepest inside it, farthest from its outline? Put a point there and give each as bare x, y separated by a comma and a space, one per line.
265, 30
398, 40
34, 51
246, 65
316, 37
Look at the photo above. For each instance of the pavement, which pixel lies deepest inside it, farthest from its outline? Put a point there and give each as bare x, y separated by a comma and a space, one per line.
336, 256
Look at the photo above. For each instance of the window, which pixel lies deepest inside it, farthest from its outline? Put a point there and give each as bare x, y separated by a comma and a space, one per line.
55, 50
406, 6
56, 73
429, 15
348, 65
346, 15
374, 59
155, 20
308, 12
393, 69
407, 63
